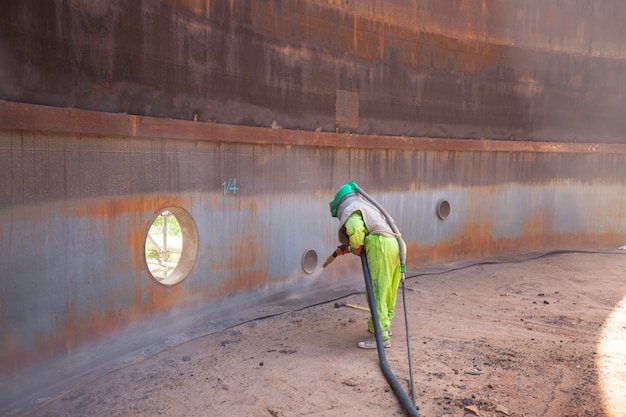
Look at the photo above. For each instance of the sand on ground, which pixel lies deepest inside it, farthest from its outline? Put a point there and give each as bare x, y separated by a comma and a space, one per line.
542, 337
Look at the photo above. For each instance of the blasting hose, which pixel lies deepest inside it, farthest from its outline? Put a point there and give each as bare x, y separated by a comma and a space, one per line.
393, 382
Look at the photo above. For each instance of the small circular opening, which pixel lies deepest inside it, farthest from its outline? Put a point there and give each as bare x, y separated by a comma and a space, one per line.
443, 209
309, 261
171, 245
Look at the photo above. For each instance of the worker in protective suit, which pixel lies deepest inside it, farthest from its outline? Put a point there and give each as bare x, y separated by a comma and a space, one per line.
362, 225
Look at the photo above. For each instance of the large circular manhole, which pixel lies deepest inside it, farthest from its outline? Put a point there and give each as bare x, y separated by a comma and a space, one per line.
171, 245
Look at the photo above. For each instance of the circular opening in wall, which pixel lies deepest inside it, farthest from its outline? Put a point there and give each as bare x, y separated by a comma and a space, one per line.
171, 245
443, 209
309, 261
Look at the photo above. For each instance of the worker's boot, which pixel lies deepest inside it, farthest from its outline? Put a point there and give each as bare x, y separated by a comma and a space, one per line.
371, 342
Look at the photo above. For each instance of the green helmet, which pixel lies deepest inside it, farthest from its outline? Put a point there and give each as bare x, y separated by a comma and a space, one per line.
342, 192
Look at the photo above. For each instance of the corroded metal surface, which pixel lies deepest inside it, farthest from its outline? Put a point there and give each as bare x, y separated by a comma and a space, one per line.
514, 70
510, 111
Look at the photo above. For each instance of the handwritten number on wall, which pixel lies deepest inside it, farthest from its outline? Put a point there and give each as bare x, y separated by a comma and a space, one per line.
230, 186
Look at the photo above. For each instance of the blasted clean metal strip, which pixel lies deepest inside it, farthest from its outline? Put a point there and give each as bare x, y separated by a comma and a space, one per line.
23, 116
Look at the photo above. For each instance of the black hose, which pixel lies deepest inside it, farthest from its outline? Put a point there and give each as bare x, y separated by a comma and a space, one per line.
393, 382
408, 345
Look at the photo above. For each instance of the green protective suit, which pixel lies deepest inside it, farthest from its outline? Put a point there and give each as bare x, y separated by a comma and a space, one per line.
383, 260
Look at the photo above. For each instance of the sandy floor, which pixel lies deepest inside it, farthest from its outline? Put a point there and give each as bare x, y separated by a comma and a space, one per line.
544, 337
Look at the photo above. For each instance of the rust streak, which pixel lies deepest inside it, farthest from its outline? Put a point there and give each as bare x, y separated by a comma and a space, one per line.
475, 242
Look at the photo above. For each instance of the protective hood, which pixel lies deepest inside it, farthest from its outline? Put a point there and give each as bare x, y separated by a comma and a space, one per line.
373, 218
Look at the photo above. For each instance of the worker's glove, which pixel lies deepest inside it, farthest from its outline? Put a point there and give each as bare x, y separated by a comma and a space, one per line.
342, 250
356, 251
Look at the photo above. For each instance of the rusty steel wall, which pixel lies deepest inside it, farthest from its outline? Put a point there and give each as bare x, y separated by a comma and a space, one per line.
110, 112
500, 69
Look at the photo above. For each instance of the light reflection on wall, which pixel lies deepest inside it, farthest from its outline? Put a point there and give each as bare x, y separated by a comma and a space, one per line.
612, 362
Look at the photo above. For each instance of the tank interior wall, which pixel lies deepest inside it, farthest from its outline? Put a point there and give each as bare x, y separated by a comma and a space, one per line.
543, 70
79, 189
75, 210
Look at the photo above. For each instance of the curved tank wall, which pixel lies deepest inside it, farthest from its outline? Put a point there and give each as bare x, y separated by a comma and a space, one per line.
499, 69
246, 116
